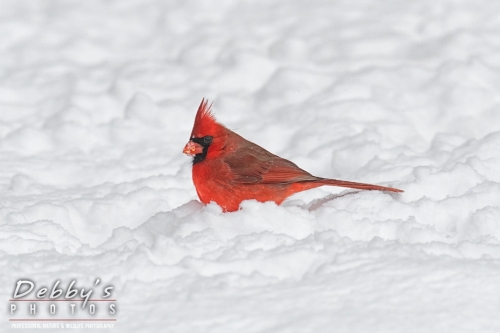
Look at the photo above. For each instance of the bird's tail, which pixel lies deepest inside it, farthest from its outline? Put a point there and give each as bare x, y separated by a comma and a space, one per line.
360, 186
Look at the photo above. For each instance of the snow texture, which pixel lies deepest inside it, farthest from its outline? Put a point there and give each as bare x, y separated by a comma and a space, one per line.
97, 99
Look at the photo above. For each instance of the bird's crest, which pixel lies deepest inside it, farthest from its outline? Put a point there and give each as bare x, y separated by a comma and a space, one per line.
204, 123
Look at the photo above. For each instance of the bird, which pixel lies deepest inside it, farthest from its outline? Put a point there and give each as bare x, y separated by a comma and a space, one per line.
228, 169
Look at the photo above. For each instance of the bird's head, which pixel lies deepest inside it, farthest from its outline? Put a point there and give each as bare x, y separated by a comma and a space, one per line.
207, 136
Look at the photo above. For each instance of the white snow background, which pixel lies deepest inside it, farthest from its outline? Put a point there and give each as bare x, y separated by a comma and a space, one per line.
98, 98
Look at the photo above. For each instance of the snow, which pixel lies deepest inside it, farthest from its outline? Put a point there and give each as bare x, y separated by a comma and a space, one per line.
97, 99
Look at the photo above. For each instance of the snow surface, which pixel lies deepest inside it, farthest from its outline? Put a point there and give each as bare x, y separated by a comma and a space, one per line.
97, 99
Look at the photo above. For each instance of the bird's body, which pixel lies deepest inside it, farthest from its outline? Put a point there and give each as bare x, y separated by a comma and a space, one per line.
228, 169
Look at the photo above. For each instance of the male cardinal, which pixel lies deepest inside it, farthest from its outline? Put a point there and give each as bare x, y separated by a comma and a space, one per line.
228, 169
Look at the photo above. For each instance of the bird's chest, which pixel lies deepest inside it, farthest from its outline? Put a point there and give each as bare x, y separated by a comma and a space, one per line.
212, 179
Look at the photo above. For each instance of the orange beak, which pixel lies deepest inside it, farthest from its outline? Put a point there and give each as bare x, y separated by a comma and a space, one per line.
192, 148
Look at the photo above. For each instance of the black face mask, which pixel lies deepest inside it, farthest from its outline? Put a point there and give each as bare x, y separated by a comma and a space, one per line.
205, 142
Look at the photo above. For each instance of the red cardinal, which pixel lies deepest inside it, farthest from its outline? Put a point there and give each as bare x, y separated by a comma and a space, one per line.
228, 169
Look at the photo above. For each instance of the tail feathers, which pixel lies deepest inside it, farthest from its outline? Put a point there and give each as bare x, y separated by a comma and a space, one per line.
360, 186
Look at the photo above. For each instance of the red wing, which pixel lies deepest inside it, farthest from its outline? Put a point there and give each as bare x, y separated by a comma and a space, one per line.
254, 164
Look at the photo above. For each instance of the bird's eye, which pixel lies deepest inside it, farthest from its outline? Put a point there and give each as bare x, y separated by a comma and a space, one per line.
207, 140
